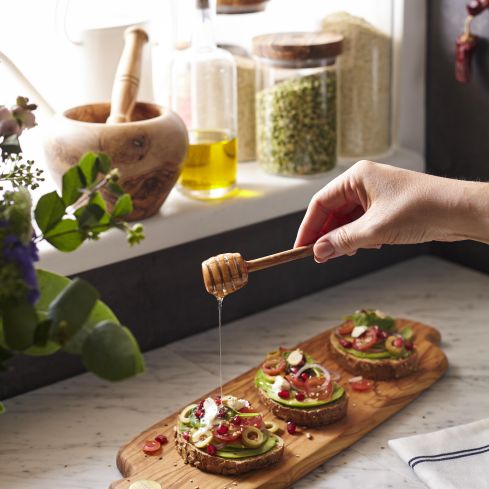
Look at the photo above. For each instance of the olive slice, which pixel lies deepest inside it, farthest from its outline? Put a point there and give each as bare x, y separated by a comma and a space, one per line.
202, 439
252, 437
397, 351
271, 426
185, 414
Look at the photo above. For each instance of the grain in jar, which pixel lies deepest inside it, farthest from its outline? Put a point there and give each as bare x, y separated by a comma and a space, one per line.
364, 95
296, 102
246, 102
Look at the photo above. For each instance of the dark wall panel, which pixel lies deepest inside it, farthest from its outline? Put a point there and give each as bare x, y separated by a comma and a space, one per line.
457, 122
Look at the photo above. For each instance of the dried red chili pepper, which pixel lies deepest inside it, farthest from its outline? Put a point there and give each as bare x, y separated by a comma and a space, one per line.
475, 7
464, 50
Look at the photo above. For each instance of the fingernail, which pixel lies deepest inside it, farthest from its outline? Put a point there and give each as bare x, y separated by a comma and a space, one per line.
323, 250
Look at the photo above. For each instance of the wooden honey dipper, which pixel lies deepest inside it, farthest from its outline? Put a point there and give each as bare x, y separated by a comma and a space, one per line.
228, 272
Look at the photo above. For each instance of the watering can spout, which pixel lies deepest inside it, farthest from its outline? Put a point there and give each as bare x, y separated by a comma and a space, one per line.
29, 88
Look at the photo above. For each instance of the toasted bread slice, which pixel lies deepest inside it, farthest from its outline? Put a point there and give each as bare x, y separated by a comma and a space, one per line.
311, 417
381, 369
224, 466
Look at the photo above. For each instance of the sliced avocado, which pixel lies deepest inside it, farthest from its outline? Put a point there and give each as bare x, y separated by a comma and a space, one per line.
237, 446
265, 386
372, 355
249, 452
337, 393
363, 354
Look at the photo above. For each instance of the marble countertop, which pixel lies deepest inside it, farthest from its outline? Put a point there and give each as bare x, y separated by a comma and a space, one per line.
67, 435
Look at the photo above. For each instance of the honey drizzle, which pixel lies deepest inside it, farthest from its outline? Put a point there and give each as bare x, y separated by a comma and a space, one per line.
219, 307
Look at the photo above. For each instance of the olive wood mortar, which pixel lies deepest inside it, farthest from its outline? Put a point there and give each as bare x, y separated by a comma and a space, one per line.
226, 273
148, 151
146, 143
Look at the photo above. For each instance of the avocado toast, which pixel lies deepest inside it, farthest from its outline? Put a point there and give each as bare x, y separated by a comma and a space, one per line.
226, 436
369, 344
295, 388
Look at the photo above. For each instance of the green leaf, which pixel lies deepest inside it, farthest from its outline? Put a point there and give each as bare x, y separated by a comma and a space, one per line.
369, 317
115, 188
50, 285
90, 215
49, 211
65, 236
73, 181
42, 332
19, 324
89, 166
2, 408
112, 353
123, 206
71, 308
104, 163
4, 353
407, 333
97, 199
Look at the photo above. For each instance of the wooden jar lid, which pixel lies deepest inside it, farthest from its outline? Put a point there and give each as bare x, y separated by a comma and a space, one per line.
240, 6
297, 46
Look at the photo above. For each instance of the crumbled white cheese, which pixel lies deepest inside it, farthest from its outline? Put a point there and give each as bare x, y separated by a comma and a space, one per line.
280, 384
380, 314
235, 403
211, 411
358, 331
295, 357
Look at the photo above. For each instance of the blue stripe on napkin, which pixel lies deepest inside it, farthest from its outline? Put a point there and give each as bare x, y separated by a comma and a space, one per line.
447, 456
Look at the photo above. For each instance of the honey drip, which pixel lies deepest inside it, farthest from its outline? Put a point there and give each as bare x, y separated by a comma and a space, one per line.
219, 307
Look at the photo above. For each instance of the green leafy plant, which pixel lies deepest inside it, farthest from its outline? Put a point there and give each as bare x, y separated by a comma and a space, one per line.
42, 312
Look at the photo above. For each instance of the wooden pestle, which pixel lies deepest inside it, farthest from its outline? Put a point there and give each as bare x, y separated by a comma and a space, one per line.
228, 272
126, 81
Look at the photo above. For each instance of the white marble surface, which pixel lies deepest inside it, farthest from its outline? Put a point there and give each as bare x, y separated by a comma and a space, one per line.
67, 435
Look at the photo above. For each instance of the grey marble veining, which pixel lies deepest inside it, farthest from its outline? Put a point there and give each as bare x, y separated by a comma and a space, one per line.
67, 435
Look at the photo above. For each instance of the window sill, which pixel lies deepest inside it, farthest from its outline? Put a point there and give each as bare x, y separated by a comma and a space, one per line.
261, 197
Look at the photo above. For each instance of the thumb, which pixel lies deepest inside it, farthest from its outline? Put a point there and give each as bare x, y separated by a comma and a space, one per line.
345, 240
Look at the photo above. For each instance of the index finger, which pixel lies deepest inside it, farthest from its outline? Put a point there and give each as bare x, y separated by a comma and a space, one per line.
332, 201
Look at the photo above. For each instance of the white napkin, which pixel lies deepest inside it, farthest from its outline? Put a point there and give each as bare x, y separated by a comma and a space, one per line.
453, 458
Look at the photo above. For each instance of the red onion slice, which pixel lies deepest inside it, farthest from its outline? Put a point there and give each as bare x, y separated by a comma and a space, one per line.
307, 366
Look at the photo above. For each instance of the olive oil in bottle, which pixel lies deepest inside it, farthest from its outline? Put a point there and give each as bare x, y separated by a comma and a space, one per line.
203, 93
210, 167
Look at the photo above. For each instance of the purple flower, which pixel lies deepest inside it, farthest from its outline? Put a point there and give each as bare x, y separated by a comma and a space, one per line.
24, 256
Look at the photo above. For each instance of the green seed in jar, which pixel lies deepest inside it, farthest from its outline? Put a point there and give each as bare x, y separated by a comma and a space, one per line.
296, 125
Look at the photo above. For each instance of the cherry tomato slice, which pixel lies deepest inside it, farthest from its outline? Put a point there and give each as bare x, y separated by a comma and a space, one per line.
297, 382
366, 341
256, 421
274, 366
363, 385
151, 446
346, 329
247, 410
316, 388
233, 434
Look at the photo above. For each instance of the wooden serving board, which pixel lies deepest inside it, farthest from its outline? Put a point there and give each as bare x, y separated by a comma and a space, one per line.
366, 410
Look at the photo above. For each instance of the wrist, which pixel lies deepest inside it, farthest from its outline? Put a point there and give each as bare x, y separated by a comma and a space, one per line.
474, 204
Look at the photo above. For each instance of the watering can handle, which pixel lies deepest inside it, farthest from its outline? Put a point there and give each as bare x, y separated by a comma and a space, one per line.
126, 82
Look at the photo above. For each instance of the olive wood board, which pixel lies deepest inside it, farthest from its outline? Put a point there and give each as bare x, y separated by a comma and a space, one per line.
366, 410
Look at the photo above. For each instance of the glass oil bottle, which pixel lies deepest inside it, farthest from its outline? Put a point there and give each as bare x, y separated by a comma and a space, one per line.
204, 95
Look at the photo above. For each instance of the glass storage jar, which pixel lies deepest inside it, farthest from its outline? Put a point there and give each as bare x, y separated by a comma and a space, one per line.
296, 102
364, 95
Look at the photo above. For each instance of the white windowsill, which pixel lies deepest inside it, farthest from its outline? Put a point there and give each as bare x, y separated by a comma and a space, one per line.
181, 220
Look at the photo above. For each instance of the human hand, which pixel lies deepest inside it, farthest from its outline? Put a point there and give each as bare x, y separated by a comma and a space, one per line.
372, 204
